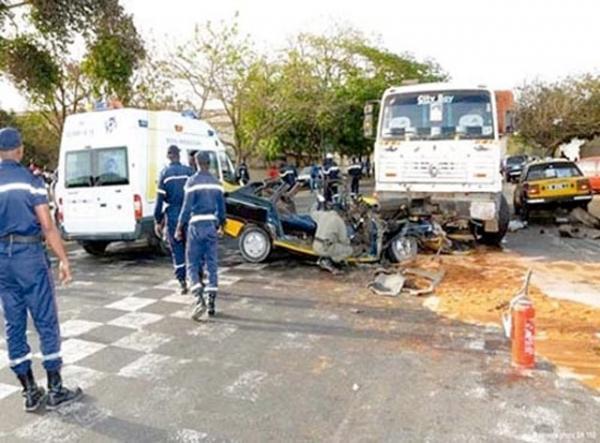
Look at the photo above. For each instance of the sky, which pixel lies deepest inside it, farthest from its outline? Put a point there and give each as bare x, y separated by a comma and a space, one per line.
497, 43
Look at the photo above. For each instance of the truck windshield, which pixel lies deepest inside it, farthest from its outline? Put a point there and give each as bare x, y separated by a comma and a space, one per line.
96, 167
438, 115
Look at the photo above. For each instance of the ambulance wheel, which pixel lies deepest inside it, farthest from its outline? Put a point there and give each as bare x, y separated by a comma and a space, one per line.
255, 244
95, 247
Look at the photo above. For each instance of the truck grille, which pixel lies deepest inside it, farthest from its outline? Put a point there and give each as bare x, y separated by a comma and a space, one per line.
440, 170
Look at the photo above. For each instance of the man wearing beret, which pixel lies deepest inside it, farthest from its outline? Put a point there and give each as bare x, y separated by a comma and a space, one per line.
26, 282
204, 215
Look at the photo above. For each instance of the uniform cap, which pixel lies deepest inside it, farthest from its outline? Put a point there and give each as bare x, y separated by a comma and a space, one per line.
10, 139
173, 150
329, 155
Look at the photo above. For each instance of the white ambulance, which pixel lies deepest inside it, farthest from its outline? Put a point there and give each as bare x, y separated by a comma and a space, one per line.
109, 166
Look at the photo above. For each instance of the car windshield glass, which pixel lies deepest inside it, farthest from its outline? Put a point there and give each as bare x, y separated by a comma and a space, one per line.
552, 170
438, 115
515, 160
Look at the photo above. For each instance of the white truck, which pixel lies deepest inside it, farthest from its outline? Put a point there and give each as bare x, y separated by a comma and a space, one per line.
438, 151
109, 166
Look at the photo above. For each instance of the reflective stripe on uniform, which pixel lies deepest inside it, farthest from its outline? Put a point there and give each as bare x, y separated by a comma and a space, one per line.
18, 361
180, 266
211, 289
53, 356
205, 187
354, 167
203, 217
160, 191
283, 174
176, 177
196, 286
22, 187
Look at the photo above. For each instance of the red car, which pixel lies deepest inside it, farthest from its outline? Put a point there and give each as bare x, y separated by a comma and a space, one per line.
590, 167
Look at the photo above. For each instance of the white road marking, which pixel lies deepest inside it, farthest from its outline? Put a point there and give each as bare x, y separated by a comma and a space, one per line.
143, 341
178, 298
247, 385
136, 320
228, 280
85, 377
171, 284
72, 328
250, 267
213, 332
190, 436
6, 390
3, 358
150, 367
74, 349
131, 303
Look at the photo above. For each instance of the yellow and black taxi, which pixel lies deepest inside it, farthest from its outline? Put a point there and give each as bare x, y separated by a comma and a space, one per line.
551, 184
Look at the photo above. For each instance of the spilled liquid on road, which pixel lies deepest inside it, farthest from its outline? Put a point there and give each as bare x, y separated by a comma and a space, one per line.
477, 288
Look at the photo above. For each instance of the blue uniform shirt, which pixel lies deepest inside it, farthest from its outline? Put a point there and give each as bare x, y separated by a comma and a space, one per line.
331, 170
20, 193
204, 200
171, 188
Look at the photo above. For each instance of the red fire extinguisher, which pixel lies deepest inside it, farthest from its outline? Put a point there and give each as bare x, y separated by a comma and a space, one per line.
519, 326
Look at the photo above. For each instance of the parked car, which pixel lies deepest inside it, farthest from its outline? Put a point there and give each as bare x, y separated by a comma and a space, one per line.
590, 167
512, 167
551, 184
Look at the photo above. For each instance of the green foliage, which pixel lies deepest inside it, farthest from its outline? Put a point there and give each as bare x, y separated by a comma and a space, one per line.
30, 67
551, 113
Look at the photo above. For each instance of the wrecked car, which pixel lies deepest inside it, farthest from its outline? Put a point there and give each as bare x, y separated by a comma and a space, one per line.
263, 217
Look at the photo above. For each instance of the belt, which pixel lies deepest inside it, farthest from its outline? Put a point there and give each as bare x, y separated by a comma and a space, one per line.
203, 217
31, 239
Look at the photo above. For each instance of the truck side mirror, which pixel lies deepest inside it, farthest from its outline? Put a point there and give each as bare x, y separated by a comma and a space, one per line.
369, 119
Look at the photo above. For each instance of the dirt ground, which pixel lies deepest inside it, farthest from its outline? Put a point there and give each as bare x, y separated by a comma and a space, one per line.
477, 288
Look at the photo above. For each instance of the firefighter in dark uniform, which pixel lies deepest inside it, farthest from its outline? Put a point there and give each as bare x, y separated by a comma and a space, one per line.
170, 191
355, 173
26, 282
203, 214
331, 173
288, 173
242, 174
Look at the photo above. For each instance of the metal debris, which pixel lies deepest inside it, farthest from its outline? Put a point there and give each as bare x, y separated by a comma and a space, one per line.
411, 281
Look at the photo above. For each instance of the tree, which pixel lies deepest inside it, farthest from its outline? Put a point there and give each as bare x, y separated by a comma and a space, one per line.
35, 42
552, 113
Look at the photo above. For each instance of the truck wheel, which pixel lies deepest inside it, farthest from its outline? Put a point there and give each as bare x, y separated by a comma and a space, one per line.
96, 248
255, 244
402, 248
495, 238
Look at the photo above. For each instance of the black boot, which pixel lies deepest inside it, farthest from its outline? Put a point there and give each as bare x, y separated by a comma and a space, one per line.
59, 395
184, 287
212, 296
32, 393
200, 306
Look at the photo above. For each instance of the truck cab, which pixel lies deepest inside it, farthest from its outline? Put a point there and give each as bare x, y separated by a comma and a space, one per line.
438, 150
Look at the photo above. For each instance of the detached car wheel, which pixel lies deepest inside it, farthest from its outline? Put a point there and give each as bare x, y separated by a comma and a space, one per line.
402, 248
255, 244
95, 247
